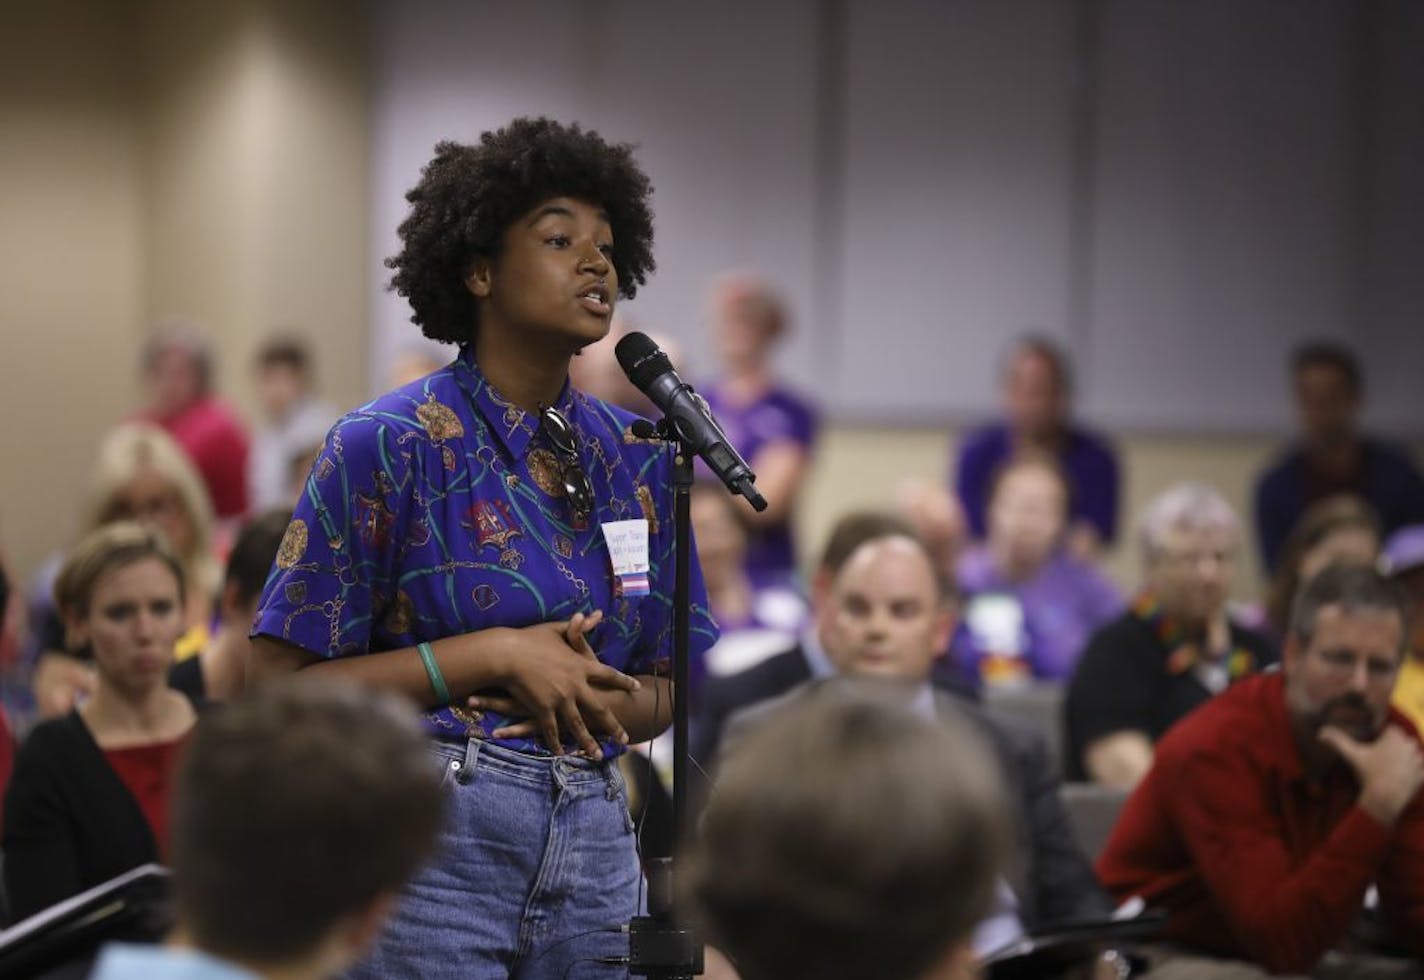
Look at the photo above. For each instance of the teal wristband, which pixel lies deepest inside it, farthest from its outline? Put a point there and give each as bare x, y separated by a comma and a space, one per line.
432, 671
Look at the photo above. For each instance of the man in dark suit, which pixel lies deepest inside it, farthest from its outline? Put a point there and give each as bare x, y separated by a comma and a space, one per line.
724, 696
886, 612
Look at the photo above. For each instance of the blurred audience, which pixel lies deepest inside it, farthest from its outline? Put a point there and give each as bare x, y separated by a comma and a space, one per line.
1341, 529
1268, 814
294, 421
1332, 456
595, 371
936, 516
1036, 390
1172, 650
276, 795
1030, 605
1403, 560
178, 369
889, 614
755, 622
834, 884
773, 427
413, 362
805, 658
140, 475
7, 741
89, 796
220, 671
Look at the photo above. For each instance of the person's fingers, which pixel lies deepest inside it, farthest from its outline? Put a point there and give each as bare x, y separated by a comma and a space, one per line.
591, 621
573, 720
549, 731
573, 629
1341, 742
606, 721
496, 703
523, 729
605, 676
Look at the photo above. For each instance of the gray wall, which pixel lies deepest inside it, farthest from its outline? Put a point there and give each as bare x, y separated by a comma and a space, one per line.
1181, 191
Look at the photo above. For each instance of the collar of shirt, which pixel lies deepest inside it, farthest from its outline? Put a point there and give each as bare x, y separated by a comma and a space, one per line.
816, 658
922, 703
511, 425
126, 961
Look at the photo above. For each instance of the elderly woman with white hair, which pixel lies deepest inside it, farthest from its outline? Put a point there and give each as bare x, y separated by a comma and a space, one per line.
1172, 650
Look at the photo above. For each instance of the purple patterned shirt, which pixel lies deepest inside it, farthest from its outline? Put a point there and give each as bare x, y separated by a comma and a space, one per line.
438, 509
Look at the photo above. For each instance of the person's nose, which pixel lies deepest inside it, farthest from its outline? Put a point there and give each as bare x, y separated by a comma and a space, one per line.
592, 259
1360, 676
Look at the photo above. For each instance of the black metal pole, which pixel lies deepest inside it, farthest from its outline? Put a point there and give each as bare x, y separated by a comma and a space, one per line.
658, 944
682, 617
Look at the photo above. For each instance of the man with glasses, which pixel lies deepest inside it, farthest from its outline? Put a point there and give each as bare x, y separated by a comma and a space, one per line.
1171, 651
1268, 814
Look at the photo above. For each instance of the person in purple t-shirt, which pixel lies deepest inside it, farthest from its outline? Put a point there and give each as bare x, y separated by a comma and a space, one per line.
1030, 606
1036, 388
772, 427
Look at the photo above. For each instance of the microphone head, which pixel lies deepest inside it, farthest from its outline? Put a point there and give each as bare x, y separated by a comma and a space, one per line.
640, 359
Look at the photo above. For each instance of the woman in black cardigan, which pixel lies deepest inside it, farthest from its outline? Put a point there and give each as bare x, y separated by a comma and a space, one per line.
88, 797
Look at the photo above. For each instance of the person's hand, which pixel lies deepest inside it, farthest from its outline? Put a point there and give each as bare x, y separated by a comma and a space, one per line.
1390, 769
559, 686
60, 683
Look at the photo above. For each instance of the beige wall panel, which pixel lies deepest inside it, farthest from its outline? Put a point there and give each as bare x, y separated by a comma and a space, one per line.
70, 259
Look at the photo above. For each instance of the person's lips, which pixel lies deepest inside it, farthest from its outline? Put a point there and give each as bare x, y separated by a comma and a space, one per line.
596, 300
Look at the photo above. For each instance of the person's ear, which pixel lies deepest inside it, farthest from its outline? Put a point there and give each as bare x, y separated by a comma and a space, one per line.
230, 602
480, 279
1291, 653
76, 631
821, 581
946, 618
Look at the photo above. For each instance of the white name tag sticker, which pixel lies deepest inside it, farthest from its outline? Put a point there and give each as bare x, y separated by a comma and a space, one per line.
628, 548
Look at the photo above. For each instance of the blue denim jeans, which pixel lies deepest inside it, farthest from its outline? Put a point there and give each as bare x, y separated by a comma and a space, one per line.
535, 875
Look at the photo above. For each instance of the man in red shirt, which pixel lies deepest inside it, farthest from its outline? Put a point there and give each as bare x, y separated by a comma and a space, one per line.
177, 369
1270, 811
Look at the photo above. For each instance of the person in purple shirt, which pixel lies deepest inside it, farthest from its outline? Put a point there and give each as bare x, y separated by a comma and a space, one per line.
1030, 606
772, 427
498, 547
1036, 388
1332, 456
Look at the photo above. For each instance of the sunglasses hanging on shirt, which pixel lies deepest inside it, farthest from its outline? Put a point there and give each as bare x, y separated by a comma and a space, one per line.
577, 487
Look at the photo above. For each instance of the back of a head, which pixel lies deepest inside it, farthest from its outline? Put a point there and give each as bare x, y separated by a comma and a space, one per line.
849, 837
250, 560
296, 806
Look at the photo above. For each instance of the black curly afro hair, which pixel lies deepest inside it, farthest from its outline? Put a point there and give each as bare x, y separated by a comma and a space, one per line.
469, 195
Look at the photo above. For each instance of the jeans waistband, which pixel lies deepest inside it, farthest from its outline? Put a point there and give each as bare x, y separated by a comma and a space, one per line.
566, 770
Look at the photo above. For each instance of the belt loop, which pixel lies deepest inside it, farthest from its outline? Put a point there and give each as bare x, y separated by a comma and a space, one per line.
467, 768
613, 780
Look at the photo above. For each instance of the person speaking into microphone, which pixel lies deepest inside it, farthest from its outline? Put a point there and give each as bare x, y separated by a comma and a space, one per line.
499, 547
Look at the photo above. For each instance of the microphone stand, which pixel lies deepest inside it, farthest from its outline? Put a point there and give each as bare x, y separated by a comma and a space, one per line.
658, 945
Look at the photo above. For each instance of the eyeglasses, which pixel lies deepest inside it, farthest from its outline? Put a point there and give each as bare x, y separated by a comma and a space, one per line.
576, 486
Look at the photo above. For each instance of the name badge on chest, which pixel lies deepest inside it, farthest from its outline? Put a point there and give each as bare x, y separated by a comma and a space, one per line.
628, 548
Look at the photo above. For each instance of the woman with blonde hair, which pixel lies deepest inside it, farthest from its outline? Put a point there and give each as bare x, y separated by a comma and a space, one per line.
88, 797
140, 474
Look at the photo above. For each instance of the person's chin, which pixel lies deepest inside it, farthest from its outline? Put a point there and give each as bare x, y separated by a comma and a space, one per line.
877, 666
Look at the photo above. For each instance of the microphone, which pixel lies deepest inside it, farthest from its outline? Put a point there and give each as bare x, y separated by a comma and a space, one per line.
686, 411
